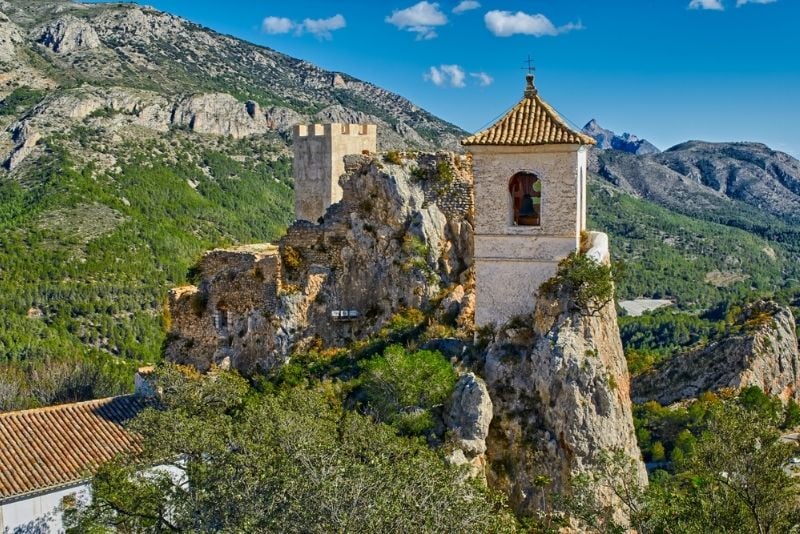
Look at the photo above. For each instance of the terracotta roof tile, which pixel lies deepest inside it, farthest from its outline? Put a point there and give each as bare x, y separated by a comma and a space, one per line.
531, 122
55, 446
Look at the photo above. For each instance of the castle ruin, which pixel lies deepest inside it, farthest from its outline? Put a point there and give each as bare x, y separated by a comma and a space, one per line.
319, 151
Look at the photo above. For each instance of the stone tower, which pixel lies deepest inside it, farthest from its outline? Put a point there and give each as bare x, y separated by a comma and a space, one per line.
318, 163
530, 204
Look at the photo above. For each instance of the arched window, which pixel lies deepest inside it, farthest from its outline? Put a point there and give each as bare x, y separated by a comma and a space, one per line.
526, 199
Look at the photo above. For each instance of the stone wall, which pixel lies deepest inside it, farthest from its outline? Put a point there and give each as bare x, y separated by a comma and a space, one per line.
319, 150
226, 319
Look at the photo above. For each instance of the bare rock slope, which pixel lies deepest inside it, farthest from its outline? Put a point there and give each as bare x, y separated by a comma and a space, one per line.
172, 72
764, 354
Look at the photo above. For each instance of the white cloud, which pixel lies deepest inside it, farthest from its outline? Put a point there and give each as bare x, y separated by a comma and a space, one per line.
484, 79
452, 75
320, 28
715, 5
506, 24
740, 3
421, 18
277, 25
466, 5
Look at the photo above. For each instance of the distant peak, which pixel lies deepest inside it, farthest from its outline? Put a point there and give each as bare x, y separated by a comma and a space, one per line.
608, 140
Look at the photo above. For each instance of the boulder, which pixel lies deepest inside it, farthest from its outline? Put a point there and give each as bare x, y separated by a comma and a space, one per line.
469, 414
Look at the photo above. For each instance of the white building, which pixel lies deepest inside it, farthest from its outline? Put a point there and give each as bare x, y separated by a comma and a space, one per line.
46, 455
530, 205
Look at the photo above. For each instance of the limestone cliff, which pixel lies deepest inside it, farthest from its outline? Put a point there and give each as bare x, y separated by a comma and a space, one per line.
763, 353
553, 390
560, 388
400, 235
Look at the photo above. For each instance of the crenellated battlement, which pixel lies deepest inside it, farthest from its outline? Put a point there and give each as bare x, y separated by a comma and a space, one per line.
319, 151
333, 129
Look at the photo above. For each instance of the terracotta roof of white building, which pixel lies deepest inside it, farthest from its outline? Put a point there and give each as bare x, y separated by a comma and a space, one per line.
531, 122
47, 448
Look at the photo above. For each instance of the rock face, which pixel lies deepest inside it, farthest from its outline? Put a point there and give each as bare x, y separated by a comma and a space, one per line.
764, 354
68, 34
219, 114
469, 414
560, 388
608, 140
9, 39
393, 242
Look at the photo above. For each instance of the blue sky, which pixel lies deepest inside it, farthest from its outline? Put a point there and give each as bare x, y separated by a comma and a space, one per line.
667, 70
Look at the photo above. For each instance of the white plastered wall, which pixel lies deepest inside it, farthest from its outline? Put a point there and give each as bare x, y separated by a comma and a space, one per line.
511, 262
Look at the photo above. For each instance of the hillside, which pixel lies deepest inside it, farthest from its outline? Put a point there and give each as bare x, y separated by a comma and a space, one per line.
133, 141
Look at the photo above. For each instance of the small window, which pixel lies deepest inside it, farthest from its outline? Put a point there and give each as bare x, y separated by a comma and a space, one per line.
526, 199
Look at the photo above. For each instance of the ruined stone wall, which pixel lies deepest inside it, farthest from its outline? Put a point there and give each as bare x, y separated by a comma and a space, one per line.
226, 319
319, 150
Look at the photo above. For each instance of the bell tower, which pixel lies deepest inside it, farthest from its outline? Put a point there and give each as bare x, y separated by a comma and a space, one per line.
530, 204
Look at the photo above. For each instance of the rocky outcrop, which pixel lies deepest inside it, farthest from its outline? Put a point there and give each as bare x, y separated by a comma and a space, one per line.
393, 242
763, 353
10, 38
25, 139
608, 140
467, 417
560, 389
219, 114
68, 34
469, 414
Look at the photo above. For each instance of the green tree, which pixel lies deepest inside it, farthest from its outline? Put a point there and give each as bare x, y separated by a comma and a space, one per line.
657, 453
292, 462
735, 480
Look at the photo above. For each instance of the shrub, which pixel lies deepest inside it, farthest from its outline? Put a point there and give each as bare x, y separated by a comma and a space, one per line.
394, 157
443, 172
21, 98
589, 284
292, 259
401, 387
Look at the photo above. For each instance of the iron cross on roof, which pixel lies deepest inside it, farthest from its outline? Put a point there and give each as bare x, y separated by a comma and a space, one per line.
529, 65
530, 90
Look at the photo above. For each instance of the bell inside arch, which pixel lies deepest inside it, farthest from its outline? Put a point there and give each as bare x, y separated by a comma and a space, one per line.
526, 208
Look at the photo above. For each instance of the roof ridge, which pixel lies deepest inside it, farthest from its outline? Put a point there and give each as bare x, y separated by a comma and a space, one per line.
532, 121
66, 405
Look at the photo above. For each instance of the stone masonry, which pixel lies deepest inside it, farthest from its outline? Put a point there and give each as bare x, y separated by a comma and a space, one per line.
318, 163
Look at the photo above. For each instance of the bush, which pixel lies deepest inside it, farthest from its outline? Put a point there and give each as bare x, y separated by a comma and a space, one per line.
393, 157
292, 259
20, 99
401, 387
588, 283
